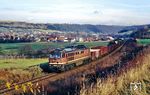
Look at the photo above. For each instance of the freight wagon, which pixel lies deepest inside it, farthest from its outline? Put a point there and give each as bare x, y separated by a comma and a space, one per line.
98, 51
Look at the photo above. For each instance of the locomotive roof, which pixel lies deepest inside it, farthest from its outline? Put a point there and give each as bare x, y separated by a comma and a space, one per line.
72, 48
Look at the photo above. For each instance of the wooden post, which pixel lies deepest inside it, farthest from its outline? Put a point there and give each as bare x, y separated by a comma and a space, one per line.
43, 90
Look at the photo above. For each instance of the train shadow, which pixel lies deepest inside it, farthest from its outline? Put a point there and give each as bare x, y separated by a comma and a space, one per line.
45, 67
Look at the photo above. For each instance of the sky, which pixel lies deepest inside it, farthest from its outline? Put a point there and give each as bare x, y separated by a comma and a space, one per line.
108, 12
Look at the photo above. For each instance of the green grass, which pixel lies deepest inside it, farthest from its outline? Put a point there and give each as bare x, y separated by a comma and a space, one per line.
143, 41
20, 63
12, 48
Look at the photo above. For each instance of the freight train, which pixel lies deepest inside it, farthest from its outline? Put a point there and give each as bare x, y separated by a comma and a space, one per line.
63, 59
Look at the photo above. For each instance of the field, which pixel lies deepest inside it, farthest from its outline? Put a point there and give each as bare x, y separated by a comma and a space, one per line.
143, 41
19, 69
24, 63
20, 63
16, 70
12, 48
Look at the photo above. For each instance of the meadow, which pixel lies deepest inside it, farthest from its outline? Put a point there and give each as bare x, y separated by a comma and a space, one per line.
12, 48
143, 41
17, 70
21, 63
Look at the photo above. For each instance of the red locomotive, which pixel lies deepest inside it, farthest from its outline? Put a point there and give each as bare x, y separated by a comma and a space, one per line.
66, 58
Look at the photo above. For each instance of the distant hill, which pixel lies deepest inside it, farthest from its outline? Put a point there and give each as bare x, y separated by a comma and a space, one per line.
140, 31
104, 29
134, 28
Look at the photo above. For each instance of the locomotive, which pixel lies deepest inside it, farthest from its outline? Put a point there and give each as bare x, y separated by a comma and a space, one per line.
63, 59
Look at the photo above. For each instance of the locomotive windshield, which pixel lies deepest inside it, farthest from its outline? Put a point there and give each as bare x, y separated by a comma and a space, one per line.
55, 54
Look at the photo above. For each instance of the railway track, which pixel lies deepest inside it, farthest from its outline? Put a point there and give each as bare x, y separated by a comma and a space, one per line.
56, 76
35, 80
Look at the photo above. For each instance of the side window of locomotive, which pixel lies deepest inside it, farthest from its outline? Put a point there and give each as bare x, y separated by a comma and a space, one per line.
82, 51
71, 54
63, 55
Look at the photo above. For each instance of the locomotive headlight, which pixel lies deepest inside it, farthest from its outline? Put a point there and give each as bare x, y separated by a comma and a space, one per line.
50, 65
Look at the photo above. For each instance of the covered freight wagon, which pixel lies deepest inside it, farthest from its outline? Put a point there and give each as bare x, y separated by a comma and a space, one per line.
98, 51
95, 53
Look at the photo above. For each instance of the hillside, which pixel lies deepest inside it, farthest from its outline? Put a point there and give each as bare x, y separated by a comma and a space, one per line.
135, 74
104, 29
134, 28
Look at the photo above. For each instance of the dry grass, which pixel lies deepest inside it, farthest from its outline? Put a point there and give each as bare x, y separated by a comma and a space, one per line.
17, 70
120, 85
15, 75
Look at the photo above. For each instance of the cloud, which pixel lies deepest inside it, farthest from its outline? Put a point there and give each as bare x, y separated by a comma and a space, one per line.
96, 12
109, 16
77, 14
123, 17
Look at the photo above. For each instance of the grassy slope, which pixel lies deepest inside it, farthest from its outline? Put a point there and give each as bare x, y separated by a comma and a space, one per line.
120, 85
17, 70
20, 63
143, 41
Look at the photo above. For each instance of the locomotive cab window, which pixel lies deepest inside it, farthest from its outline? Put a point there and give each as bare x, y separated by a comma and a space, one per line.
55, 54
77, 53
71, 54
82, 51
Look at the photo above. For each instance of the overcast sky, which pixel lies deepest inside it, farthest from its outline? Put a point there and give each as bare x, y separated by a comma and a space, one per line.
112, 12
